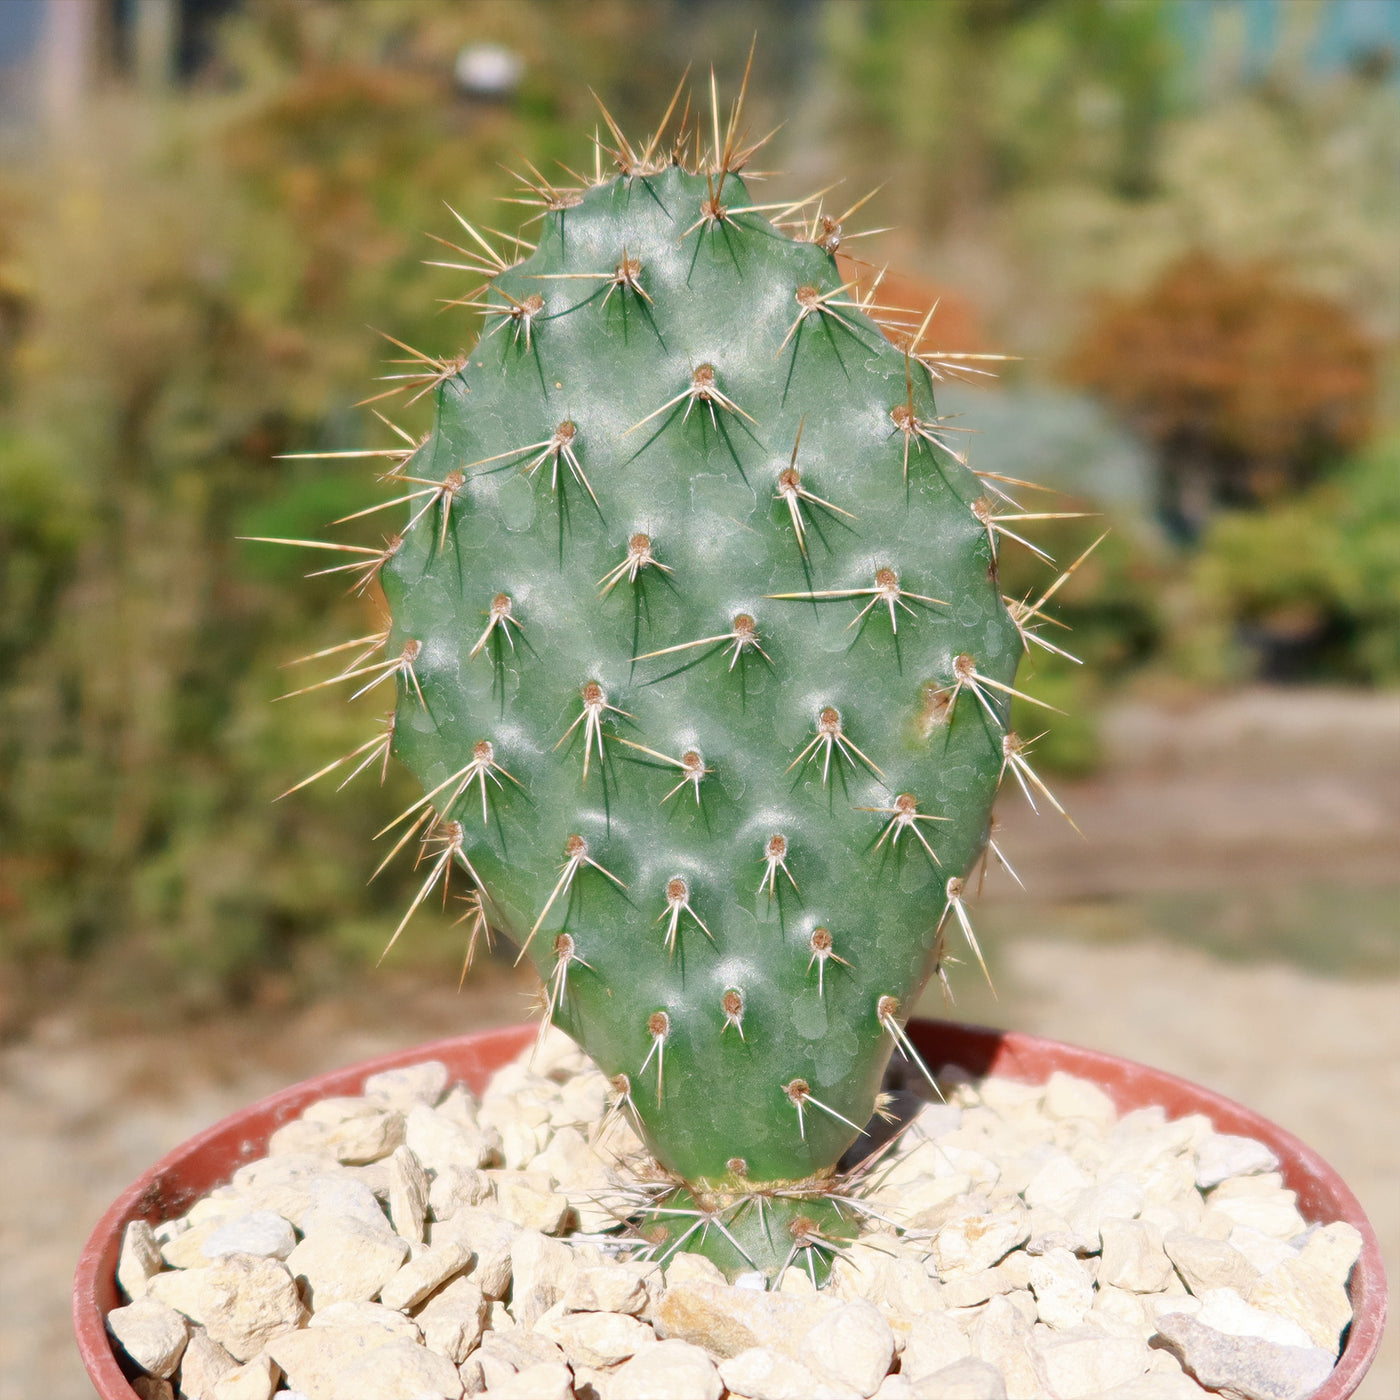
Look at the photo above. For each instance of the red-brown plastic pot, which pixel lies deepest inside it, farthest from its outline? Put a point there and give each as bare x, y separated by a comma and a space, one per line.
179, 1179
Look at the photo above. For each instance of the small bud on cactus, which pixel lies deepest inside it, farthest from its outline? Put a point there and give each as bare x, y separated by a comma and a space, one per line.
702, 663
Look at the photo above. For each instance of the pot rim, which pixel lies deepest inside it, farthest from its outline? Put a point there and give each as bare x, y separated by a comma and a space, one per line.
242, 1137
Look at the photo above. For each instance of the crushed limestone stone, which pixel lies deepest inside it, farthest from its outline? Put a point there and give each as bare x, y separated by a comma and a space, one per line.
1025, 1240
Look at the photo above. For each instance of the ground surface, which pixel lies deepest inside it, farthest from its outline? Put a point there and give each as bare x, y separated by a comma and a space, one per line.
1231, 917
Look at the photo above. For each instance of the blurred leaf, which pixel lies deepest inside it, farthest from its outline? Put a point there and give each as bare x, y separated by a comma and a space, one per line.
1313, 585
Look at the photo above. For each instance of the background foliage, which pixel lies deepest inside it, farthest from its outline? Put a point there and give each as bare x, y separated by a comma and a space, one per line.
186, 291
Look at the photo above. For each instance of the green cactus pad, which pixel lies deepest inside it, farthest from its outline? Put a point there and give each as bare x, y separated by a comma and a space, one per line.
703, 666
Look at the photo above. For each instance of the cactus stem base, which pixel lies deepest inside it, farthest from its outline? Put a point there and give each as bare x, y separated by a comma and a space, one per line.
764, 1229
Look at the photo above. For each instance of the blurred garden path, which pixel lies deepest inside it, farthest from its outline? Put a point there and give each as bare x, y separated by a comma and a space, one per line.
1253, 800
1259, 787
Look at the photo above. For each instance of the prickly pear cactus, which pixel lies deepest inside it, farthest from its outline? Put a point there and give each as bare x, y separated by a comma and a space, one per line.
702, 664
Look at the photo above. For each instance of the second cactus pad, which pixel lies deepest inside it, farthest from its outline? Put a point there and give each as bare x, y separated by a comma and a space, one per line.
703, 665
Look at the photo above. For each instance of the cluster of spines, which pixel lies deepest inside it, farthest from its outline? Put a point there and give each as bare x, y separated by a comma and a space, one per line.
440, 833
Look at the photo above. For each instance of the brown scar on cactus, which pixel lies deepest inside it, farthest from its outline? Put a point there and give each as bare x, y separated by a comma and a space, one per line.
934, 709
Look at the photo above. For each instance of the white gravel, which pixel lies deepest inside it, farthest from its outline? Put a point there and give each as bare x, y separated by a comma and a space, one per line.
1023, 1238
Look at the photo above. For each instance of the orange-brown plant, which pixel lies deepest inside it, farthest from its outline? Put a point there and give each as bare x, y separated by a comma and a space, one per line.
1246, 385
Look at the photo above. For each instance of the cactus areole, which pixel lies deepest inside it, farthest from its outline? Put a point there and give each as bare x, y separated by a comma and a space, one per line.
702, 664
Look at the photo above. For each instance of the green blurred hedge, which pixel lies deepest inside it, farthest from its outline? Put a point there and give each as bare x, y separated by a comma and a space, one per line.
186, 292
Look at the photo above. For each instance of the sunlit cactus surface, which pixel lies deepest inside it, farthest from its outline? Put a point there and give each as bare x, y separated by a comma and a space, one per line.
702, 663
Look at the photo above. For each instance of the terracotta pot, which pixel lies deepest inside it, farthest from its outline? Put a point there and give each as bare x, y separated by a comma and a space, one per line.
179, 1179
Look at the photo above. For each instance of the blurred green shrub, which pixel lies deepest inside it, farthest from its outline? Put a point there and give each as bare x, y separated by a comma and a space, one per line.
184, 295
1310, 589
970, 98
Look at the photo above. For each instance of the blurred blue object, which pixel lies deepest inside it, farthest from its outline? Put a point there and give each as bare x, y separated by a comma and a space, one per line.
21, 22
1335, 36
1061, 439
